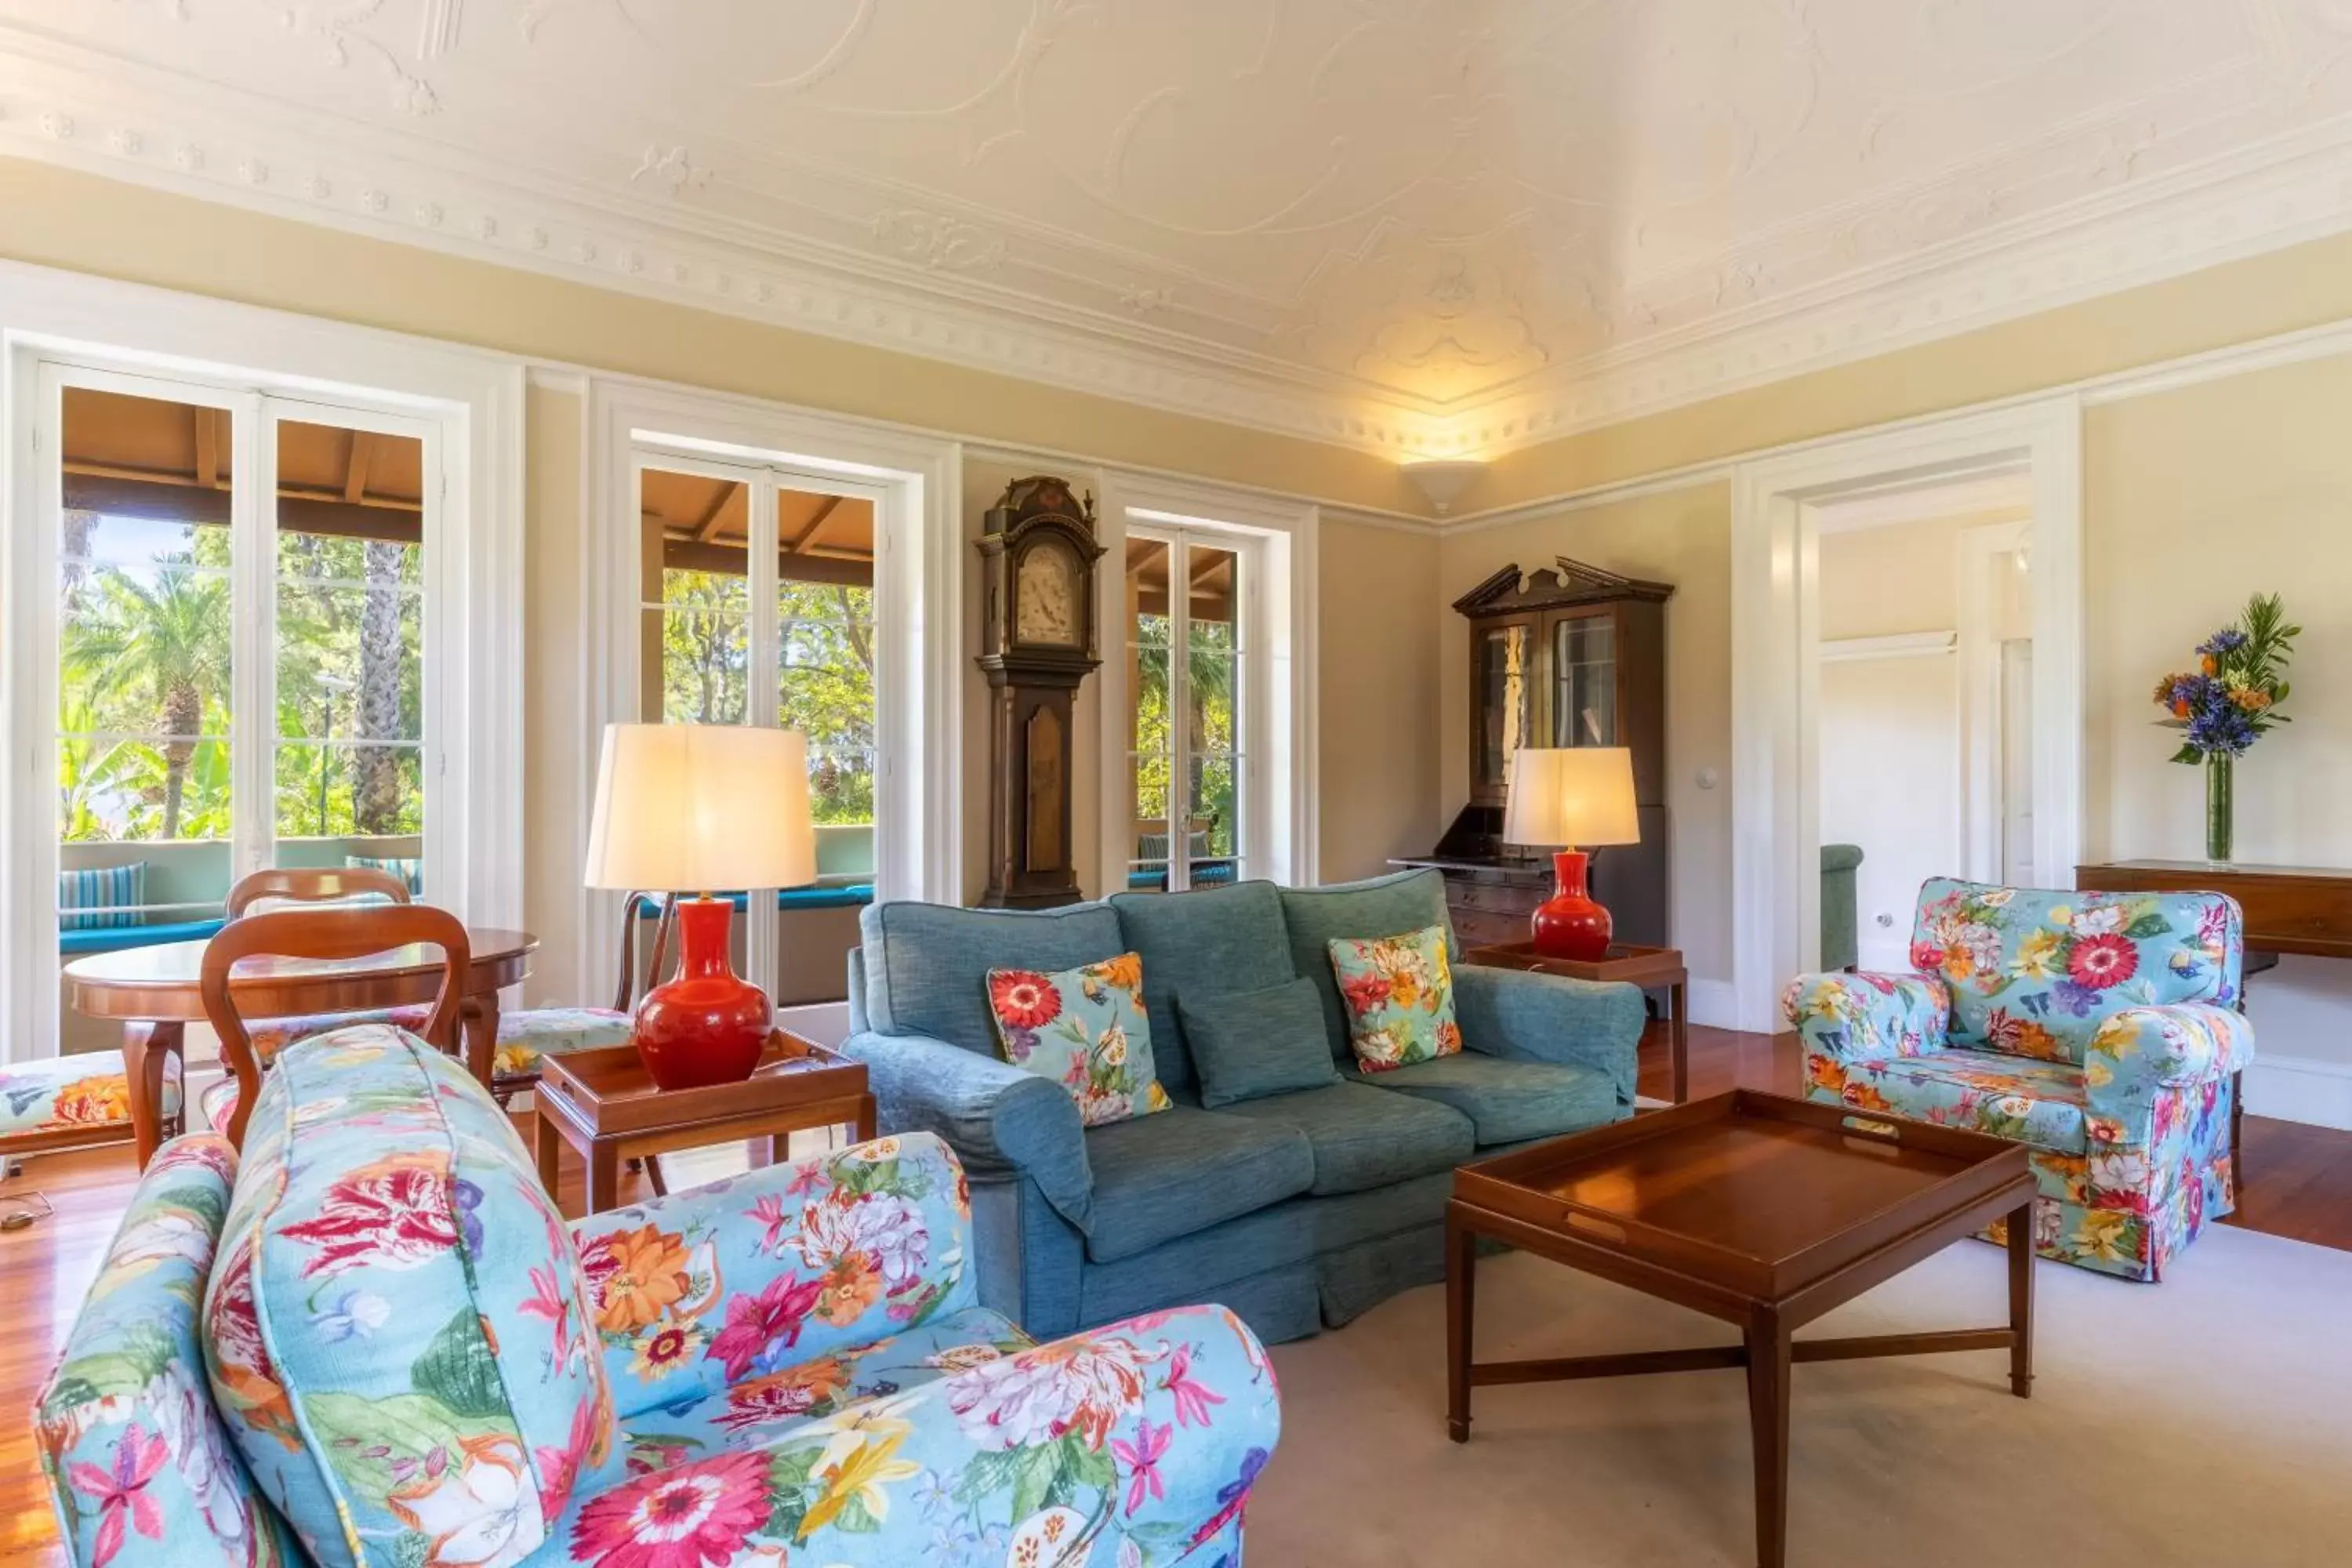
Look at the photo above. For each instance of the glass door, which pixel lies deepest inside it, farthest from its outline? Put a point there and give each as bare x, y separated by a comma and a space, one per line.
1501, 677
1188, 665
1584, 680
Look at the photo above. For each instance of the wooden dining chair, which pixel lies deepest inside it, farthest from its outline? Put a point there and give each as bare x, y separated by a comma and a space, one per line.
312, 885
336, 933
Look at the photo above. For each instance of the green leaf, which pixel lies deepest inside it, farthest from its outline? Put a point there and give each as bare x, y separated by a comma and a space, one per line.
458, 1370
2188, 754
1036, 1472
2147, 926
986, 1474
1089, 1467
857, 1518
209, 1204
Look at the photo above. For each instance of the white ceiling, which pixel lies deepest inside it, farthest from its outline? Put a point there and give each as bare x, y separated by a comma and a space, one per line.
1426, 227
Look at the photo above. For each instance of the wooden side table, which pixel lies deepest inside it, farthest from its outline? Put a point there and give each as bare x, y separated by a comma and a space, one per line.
1651, 968
608, 1108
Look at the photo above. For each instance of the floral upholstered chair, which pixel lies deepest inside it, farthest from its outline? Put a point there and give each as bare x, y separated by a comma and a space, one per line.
375, 1341
2101, 1028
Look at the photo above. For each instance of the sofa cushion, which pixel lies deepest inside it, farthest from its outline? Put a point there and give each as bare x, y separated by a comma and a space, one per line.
1250, 1044
1399, 991
927, 965
1158, 1177
2040, 1103
1508, 1101
1210, 942
1381, 906
1084, 1029
1362, 1138
402, 1340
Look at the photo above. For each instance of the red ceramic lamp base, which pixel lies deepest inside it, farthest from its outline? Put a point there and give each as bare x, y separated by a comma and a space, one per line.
707, 1026
1569, 925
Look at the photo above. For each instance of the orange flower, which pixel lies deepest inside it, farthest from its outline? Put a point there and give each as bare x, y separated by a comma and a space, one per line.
851, 1287
638, 1275
2208, 664
1126, 970
85, 1100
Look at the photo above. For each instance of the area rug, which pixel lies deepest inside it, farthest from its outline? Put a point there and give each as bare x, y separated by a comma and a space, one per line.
2206, 1420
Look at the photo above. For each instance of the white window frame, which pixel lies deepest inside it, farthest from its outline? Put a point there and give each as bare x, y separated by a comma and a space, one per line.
918, 564
467, 405
1276, 736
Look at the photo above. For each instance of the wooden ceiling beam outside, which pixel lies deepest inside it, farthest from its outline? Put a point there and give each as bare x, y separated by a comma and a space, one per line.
184, 503
207, 429
355, 473
706, 527
809, 529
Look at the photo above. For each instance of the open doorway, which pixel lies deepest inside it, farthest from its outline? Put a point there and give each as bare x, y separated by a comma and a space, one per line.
2016, 801
1923, 742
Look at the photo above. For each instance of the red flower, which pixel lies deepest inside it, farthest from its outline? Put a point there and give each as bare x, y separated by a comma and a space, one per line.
1024, 999
690, 1517
399, 1213
1365, 993
755, 1323
2099, 962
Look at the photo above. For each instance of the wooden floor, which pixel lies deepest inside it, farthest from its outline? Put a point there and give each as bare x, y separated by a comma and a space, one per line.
2299, 1185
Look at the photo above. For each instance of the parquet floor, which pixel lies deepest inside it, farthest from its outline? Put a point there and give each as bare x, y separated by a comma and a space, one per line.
2299, 1185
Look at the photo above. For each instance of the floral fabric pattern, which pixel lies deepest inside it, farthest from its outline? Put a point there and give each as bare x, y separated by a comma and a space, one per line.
1399, 991
530, 1033
1086, 1029
88, 1090
2099, 1028
398, 1324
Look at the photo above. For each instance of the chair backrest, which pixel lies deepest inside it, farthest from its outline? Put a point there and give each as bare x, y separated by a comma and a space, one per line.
328, 934
2034, 971
654, 970
312, 885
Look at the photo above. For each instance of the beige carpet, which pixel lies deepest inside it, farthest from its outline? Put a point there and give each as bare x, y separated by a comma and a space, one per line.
2207, 1420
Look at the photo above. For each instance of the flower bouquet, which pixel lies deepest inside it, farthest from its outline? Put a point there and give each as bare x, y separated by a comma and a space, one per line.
2229, 702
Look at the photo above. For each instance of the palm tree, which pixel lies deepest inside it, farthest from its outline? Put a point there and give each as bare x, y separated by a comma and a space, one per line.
173, 639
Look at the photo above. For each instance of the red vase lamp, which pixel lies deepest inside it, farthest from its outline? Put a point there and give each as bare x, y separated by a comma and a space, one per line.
1570, 796
684, 808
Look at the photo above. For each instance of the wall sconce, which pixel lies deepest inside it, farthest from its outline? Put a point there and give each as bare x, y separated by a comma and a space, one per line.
1442, 479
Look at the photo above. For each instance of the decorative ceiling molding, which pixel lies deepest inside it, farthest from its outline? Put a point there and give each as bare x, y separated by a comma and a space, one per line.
1428, 229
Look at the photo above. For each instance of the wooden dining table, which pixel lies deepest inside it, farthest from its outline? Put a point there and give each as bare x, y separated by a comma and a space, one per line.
153, 991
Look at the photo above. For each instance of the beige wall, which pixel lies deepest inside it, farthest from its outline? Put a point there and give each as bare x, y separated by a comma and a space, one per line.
1379, 714
1683, 537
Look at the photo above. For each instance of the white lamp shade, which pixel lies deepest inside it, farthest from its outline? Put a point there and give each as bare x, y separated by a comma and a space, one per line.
687, 808
1573, 796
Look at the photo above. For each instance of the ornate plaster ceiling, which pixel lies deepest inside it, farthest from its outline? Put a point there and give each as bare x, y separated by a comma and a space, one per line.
1428, 226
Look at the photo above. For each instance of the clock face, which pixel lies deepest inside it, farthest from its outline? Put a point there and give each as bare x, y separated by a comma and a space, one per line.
1046, 597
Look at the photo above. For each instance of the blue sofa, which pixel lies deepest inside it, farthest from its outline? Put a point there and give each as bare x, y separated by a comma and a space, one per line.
1299, 1210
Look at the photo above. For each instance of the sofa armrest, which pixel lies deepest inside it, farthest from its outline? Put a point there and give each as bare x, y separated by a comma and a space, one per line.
1536, 1017
1865, 1017
694, 1292
2139, 1052
999, 1119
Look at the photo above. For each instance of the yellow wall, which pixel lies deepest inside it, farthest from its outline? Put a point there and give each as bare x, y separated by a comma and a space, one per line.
1381, 701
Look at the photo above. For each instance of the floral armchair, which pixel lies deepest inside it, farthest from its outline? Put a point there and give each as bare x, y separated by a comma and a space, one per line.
2101, 1028
383, 1346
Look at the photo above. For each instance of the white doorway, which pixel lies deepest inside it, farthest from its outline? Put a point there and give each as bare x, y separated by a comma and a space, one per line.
1779, 504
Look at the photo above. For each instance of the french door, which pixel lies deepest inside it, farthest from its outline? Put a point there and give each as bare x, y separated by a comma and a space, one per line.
1193, 693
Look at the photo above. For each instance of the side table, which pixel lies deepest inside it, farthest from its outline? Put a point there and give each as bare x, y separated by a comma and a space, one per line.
607, 1106
1651, 968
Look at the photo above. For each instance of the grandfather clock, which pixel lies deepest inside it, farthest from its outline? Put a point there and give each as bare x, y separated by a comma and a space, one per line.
1038, 643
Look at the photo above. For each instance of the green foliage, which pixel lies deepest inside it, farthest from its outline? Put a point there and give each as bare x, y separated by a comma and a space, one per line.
1210, 670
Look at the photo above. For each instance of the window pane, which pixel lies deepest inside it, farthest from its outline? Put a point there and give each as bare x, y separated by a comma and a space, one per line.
705, 661
696, 653
348, 777
1584, 693
825, 646
144, 634
1213, 682
1151, 737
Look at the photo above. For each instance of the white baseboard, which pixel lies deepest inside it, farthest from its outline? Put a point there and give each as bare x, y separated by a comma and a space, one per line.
1714, 1004
2300, 1088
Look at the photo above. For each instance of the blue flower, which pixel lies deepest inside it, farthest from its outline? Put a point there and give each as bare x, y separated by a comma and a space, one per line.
2229, 639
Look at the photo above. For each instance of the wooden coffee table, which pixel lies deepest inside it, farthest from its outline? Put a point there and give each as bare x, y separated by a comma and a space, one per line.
608, 1108
1761, 1211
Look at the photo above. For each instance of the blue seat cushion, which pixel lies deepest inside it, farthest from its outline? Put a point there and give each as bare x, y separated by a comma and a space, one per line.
1506, 1100
927, 965
1363, 1139
1205, 944
1379, 906
1159, 1177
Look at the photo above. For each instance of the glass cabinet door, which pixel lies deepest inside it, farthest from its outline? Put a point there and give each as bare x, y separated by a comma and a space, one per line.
1504, 681
1584, 681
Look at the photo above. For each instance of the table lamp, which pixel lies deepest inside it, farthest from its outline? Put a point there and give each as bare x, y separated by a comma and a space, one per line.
1581, 794
684, 808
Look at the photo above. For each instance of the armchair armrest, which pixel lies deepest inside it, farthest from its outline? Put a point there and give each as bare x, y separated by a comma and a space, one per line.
999, 1119
2139, 1052
1868, 1017
1141, 1437
1549, 1018
693, 1291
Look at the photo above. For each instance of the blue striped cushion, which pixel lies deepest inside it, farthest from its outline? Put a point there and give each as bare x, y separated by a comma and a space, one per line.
409, 868
113, 894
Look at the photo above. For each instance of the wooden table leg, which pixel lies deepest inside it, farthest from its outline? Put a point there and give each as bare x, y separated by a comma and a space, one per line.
478, 1027
603, 1177
1678, 998
2021, 1300
1768, 1417
148, 1050
1461, 1295
2237, 1134
548, 1142
865, 1119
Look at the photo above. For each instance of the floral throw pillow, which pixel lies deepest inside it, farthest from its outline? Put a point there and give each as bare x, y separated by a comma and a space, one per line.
1400, 996
1086, 1029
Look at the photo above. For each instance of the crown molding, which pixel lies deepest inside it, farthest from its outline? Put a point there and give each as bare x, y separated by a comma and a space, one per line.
65, 104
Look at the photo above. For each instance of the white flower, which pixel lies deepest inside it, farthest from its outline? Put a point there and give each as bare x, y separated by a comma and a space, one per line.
2099, 921
481, 1510
356, 1315
1082, 1384
881, 1226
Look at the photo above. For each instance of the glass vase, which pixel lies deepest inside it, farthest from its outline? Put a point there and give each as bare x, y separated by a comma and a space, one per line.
2219, 805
